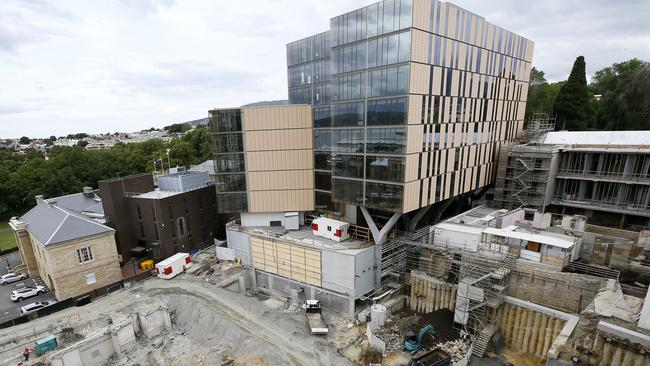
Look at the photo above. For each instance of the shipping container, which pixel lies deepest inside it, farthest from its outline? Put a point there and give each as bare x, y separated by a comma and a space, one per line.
330, 229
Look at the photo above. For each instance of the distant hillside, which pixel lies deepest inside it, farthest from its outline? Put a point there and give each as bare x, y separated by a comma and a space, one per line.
196, 122
267, 103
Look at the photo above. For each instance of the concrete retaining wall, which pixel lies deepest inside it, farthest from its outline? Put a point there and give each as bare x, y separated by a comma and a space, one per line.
429, 294
618, 346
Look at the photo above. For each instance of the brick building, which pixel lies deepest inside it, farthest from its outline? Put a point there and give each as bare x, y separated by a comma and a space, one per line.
178, 216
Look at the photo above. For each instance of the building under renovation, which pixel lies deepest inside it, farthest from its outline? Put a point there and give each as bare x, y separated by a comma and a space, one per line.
586, 172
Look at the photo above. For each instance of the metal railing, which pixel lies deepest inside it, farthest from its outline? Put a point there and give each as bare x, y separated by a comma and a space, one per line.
600, 204
617, 176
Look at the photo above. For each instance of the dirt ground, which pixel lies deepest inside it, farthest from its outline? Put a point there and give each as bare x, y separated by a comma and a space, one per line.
210, 326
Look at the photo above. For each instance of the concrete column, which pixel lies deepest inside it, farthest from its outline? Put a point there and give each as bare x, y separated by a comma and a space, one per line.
529, 328
607, 355
521, 329
547, 336
639, 360
534, 338
598, 346
379, 236
445, 297
418, 216
617, 356
541, 338
515, 329
628, 357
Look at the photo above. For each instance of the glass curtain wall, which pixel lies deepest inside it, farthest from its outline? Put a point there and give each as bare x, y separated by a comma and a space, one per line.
229, 167
370, 74
308, 74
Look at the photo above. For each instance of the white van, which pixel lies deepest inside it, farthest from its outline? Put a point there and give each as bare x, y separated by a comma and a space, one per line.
173, 265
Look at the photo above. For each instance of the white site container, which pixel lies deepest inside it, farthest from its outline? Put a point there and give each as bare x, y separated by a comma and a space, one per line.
330, 229
173, 265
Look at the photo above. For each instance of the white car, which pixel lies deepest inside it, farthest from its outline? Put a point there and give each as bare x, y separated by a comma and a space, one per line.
27, 292
12, 277
38, 305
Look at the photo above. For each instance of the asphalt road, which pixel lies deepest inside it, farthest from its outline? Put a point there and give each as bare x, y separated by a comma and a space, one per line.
8, 308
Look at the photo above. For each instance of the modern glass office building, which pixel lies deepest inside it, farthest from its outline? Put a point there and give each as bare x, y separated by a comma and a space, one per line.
423, 95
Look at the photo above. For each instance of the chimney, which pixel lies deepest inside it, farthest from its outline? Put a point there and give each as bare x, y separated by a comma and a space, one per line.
88, 192
39, 199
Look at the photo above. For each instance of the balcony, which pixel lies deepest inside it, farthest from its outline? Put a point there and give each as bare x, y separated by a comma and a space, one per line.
604, 176
617, 207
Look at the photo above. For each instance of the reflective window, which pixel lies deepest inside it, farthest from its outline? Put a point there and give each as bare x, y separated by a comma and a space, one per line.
308, 49
322, 139
347, 87
384, 196
385, 168
322, 160
386, 140
350, 166
300, 95
348, 114
322, 117
229, 163
324, 201
387, 111
347, 190
227, 142
389, 81
348, 140
349, 58
225, 120
232, 202
231, 182
389, 50
376, 19
323, 181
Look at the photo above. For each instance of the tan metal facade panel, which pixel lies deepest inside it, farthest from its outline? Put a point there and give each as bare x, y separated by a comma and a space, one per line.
276, 118
273, 140
280, 160
280, 180
281, 200
420, 16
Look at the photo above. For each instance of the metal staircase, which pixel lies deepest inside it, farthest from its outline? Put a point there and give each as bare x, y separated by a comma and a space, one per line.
483, 340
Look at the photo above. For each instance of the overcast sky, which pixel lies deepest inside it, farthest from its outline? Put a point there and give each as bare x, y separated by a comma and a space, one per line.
123, 65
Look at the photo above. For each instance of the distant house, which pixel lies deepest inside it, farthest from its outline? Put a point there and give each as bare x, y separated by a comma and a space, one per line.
64, 241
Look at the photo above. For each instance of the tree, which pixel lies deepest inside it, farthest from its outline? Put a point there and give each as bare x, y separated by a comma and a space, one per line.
24, 140
82, 143
52, 138
625, 96
178, 128
541, 94
571, 106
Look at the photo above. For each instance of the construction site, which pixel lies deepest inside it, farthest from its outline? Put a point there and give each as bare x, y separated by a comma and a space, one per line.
484, 287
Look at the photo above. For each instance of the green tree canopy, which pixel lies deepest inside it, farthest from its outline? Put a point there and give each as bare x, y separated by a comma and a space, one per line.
572, 107
625, 96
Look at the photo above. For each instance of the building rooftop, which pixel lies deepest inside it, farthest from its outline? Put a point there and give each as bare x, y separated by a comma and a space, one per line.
305, 237
80, 202
542, 237
50, 223
604, 138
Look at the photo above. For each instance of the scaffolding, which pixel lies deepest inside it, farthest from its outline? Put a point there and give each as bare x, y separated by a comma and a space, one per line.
523, 169
481, 275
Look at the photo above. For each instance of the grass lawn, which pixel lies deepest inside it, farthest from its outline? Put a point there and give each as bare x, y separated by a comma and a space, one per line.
7, 240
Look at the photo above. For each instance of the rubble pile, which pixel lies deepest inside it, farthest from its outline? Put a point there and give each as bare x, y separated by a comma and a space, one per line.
457, 349
392, 335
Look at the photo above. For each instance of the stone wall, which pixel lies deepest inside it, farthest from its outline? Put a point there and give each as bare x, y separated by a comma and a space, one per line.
67, 278
565, 291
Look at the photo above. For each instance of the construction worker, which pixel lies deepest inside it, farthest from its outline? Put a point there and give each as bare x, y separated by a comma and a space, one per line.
26, 354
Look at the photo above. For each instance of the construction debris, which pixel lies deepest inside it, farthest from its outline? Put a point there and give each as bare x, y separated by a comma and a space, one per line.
457, 349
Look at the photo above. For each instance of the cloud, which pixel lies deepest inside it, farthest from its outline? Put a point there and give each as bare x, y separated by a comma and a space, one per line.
129, 64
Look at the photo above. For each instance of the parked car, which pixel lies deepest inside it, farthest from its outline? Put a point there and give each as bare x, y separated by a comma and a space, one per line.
12, 277
38, 305
27, 292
